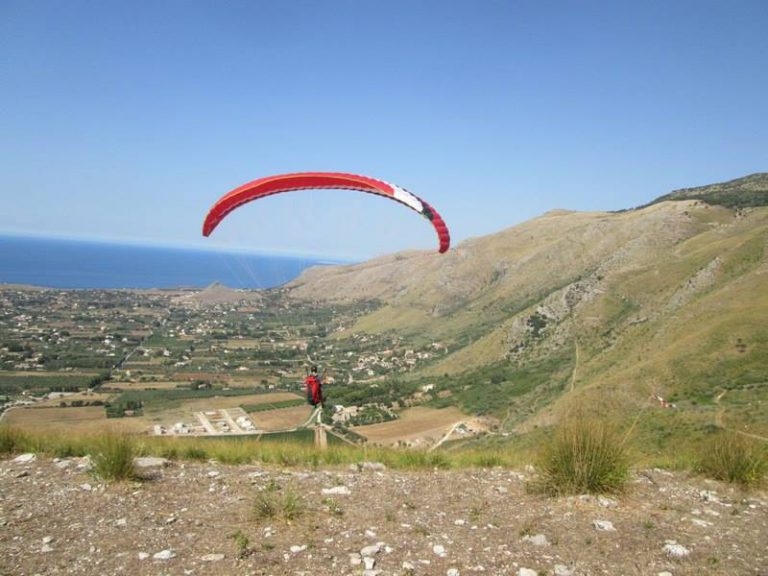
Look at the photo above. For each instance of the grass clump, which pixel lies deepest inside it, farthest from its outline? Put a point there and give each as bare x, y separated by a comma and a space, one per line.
112, 459
12, 441
242, 542
733, 458
273, 503
584, 456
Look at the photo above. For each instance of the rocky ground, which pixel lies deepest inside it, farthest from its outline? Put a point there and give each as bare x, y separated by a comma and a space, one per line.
203, 519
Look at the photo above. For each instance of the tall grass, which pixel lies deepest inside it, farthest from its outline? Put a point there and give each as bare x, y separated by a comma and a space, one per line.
12, 441
733, 458
584, 456
112, 459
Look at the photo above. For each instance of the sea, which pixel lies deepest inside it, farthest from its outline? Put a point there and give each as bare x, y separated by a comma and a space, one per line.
66, 263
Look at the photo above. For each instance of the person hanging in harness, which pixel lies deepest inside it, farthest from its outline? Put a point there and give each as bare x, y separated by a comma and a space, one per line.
314, 385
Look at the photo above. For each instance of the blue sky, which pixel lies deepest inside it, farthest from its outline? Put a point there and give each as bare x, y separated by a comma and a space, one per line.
127, 120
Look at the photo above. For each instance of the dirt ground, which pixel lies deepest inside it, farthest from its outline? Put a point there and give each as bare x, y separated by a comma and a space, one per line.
200, 519
417, 425
281, 418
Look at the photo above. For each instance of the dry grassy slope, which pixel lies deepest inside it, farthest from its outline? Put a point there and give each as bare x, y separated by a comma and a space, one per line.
664, 299
483, 282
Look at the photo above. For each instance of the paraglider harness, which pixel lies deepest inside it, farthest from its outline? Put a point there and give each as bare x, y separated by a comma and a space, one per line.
314, 387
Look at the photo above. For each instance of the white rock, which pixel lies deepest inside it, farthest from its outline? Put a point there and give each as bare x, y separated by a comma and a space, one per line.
439, 549
700, 522
407, 566
527, 572
675, 550
86, 487
143, 555
213, 474
370, 534
164, 555
355, 559
337, 491
371, 550
371, 572
369, 563
708, 496
84, 463
212, 557
24, 458
603, 525
297, 549
62, 464
453, 572
47, 539
563, 570
121, 522
665, 573
537, 540
459, 522
150, 462
375, 466
607, 502
46, 548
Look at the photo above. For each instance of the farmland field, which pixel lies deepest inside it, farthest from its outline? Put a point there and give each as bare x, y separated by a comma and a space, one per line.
414, 424
281, 419
83, 420
144, 385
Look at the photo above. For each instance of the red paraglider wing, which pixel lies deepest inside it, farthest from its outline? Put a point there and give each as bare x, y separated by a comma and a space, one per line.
312, 180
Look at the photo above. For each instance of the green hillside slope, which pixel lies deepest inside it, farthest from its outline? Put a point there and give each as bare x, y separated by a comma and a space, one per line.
604, 312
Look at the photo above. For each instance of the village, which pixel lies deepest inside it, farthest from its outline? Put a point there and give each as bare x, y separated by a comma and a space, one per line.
216, 362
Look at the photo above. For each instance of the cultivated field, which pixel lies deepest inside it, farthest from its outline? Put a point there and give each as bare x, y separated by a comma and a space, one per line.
47, 416
144, 385
417, 425
71, 421
281, 419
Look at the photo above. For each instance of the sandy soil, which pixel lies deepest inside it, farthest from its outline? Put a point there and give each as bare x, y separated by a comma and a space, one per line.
55, 518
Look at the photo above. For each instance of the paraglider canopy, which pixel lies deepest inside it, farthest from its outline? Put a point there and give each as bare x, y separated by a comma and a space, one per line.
323, 180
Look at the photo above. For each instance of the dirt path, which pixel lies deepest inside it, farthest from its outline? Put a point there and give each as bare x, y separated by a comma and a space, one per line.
446, 436
575, 364
720, 424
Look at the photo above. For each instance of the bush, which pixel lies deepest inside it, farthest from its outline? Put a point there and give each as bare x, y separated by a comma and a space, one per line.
113, 458
733, 458
583, 457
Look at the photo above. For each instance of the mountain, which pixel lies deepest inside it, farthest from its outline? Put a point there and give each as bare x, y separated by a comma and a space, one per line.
601, 312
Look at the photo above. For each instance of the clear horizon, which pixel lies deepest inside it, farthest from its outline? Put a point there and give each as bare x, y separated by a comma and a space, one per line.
125, 123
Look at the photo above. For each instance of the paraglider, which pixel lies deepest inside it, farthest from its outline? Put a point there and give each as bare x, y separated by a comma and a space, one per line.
328, 180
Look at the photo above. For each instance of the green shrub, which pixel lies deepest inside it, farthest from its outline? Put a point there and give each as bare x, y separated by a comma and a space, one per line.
112, 459
583, 457
733, 458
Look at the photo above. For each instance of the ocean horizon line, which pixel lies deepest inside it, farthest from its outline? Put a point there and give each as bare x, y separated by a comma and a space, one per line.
65, 263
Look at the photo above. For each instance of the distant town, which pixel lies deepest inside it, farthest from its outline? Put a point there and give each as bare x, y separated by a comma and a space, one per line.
160, 357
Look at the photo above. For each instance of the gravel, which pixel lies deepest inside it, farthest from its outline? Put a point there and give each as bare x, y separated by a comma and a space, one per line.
471, 522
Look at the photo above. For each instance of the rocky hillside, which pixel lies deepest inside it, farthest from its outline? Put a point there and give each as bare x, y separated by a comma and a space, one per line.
746, 192
210, 519
667, 301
